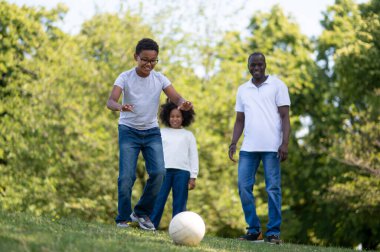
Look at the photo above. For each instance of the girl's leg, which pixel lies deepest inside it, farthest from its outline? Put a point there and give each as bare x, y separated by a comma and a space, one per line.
180, 190
162, 197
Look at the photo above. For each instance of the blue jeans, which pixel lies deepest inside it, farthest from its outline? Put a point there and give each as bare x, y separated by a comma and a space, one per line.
178, 180
131, 142
248, 164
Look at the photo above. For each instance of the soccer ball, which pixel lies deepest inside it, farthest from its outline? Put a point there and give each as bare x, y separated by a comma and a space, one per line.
187, 228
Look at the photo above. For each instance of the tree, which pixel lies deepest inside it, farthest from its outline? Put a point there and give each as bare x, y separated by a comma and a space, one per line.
348, 49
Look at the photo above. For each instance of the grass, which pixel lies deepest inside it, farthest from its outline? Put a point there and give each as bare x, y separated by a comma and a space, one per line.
23, 232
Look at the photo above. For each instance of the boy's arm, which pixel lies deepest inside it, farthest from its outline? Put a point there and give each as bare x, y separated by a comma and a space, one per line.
177, 99
113, 103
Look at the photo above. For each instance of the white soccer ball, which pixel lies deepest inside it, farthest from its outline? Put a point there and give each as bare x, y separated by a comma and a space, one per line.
187, 228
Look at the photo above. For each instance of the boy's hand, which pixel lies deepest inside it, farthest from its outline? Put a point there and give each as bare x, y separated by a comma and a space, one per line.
191, 185
126, 108
186, 106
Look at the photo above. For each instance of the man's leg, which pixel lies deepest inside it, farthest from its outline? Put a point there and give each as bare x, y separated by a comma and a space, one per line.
248, 164
128, 152
273, 187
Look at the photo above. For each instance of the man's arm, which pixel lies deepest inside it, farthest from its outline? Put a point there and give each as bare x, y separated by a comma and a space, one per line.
177, 99
285, 126
238, 130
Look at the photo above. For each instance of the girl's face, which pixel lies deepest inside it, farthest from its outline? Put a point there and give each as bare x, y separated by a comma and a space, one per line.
175, 119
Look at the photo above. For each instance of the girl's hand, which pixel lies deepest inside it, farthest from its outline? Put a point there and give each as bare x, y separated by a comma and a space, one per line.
191, 185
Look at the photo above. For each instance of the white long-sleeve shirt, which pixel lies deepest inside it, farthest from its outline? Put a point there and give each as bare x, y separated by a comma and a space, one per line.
180, 150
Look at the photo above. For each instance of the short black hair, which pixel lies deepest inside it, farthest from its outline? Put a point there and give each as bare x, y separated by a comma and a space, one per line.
256, 54
166, 108
146, 44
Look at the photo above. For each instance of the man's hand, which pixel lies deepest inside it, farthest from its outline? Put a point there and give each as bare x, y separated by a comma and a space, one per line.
186, 106
191, 185
283, 152
232, 151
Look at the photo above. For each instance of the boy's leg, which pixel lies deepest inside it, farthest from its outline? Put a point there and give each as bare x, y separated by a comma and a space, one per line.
248, 164
162, 198
273, 187
128, 152
180, 191
154, 161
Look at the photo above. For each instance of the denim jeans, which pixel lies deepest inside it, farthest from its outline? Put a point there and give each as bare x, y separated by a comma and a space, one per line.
248, 164
178, 180
131, 142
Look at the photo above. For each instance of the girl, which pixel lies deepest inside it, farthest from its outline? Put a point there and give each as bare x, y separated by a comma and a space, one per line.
181, 160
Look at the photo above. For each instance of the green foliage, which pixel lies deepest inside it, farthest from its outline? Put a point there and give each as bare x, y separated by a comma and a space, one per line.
55, 126
346, 127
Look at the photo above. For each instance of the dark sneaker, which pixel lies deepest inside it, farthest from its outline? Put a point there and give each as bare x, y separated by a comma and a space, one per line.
144, 221
273, 239
122, 224
258, 237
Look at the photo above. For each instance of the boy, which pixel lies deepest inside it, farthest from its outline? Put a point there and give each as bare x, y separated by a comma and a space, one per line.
138, 131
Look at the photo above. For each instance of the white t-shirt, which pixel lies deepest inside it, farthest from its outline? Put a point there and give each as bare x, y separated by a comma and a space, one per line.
144, 95
262, 128
180, 150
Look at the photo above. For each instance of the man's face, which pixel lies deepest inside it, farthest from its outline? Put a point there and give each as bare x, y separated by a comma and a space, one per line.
146, 61
256, 66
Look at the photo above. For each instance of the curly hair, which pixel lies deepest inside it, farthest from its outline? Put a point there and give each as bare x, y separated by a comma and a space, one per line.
166, 108
146, 44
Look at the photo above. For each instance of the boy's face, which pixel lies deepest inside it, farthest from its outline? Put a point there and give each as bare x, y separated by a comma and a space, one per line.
146, 61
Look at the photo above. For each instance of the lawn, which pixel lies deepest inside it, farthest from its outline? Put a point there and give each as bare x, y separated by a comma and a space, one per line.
24, 232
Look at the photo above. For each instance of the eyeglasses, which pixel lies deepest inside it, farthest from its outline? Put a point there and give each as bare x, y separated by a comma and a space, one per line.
146, 61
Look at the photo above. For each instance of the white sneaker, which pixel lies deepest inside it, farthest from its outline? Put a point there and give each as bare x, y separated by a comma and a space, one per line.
122, 224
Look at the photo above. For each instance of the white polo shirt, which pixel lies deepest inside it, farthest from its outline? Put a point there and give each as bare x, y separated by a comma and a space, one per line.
262, 128
144, 95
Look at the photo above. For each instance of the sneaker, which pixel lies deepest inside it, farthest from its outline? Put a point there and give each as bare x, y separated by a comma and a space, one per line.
258, 237
122, 224
144, 221
273, 239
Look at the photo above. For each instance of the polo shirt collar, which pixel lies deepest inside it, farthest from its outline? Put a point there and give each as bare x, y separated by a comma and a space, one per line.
251, 84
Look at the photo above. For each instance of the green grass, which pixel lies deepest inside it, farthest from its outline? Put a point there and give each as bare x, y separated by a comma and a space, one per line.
23, 232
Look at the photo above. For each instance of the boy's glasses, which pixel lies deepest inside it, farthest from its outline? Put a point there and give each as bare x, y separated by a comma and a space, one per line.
146, 61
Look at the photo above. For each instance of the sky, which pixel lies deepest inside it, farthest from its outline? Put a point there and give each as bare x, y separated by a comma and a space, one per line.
307, 13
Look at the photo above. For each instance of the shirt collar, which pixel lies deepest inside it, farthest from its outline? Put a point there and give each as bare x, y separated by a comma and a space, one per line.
251, 84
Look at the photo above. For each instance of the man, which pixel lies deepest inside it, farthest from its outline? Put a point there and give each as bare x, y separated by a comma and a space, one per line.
262, 110
141, 87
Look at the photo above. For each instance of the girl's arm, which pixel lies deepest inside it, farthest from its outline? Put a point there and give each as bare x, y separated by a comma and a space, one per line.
194, 162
